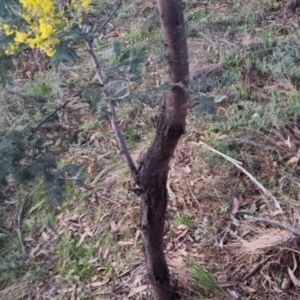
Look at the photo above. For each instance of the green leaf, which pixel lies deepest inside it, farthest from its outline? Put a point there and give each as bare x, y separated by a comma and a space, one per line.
5, 168
124, 56
27, 161
228, 79
63, 51
137, 58
75, 34
6, 62
37, 169
7, 8
130, 59
117, 48
80, 183
63, 54
204, 106
55, 193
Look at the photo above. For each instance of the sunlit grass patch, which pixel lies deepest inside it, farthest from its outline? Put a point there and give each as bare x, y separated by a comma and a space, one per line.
184, 219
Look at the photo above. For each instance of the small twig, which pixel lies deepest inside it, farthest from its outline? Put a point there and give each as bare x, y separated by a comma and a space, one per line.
288, 227
238, 165
20, 213
121, 142
89, 43
113, 116
130, 269
193, 195
111, 15
48, 117
19, 218
96, 66
255, 270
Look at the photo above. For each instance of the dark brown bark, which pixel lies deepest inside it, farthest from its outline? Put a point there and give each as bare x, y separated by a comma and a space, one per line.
153, 169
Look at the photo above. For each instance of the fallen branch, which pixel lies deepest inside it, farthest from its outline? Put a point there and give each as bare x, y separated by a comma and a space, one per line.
288, 227
250, 176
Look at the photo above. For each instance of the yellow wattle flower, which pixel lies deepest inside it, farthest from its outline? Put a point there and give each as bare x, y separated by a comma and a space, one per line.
20, 37
86, 3
43, 22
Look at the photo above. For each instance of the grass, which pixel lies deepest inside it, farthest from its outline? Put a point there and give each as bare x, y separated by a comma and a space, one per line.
92, 243
73, 261
185, 220
204, 281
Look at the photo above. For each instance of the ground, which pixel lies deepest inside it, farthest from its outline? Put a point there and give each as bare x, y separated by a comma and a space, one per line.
235, 171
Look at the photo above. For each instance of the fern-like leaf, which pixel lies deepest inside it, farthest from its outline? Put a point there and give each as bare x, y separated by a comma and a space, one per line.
63, 54
117, 48
137, 58
228, 79
204, 105
8, 8
55, 192
63, 51
5, 169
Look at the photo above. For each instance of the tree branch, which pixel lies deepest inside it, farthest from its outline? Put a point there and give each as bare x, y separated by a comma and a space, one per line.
94, 60
89, 43
113, 116
111, 15
122, 144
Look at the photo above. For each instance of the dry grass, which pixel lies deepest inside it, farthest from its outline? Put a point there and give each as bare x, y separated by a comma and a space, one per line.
16, 291
90, 248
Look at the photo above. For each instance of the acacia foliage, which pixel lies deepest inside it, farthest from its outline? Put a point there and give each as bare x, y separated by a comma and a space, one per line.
23, 161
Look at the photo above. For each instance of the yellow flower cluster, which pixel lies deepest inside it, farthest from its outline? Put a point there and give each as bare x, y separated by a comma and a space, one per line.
44, 22
78, 4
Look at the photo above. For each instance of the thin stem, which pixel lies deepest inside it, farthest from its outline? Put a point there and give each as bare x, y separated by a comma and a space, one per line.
47, 118
122, 144
238, 165
113, 116
111, 15
96, 66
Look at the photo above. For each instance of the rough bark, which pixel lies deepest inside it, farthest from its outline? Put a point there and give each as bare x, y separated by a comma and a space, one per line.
153, 169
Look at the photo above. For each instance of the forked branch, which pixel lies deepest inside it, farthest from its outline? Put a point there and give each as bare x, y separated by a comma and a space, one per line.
113, 116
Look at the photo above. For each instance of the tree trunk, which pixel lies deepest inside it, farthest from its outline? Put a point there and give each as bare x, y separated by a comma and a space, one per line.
153, 169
